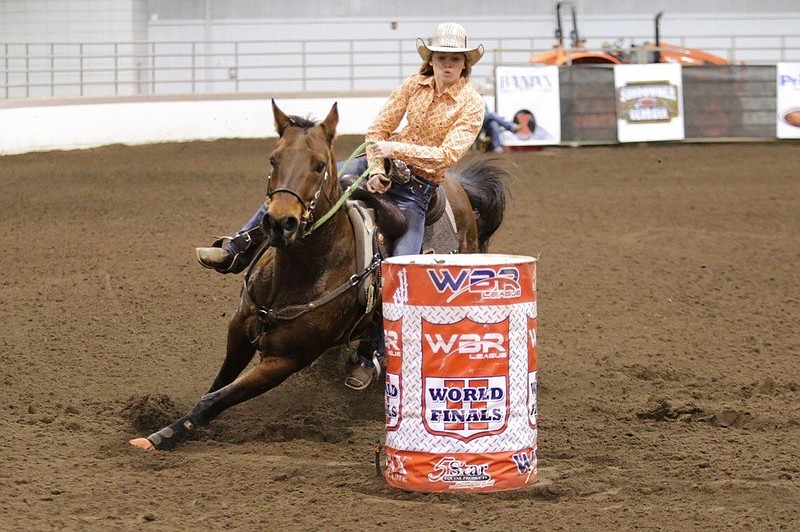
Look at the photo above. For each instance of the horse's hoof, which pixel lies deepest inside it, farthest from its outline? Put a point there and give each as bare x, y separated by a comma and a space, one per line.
143, 443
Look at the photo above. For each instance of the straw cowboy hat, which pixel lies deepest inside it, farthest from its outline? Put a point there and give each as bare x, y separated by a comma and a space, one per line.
450, 37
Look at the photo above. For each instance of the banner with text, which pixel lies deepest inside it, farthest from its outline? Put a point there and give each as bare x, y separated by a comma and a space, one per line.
529, 97
649, 102
788, 101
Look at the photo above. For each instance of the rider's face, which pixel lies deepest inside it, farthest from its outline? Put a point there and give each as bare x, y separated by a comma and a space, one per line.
447, 66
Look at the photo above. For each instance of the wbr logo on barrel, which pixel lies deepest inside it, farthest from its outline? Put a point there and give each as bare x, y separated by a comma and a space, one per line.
485, 283
394, 362
465, 375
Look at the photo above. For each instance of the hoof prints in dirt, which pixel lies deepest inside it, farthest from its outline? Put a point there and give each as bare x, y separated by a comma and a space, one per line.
770, 387
662, 410
316, 426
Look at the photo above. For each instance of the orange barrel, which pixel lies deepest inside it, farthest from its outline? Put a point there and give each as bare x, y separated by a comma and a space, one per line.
460, 372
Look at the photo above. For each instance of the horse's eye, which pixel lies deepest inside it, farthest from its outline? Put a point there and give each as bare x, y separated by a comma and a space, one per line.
320, 167
272, 161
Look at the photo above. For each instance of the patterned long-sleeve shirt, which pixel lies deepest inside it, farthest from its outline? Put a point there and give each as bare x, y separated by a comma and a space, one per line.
439, 131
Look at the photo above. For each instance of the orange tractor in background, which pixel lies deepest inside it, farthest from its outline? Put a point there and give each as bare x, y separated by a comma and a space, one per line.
614, 54
588, 112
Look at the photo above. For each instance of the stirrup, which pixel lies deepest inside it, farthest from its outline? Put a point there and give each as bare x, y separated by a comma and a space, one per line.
376, 363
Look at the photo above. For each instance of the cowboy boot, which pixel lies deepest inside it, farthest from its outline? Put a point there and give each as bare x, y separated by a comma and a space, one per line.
232, 254
216, 257
365, 364
363, 372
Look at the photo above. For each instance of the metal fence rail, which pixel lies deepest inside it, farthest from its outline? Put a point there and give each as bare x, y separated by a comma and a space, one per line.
31, 70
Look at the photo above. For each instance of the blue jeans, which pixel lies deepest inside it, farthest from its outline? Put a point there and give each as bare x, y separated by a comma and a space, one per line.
357, 166
256, 220
414, 204
492, 122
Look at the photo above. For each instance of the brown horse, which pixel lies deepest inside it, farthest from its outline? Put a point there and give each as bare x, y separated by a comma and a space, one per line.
299, 298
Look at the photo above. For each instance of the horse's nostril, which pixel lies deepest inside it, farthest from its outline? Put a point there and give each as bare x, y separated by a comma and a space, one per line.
289, 223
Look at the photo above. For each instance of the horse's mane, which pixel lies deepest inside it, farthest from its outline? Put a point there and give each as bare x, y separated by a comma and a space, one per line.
301, 122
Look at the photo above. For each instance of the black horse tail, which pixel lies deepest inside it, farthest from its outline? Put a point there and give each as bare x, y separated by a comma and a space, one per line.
485, 179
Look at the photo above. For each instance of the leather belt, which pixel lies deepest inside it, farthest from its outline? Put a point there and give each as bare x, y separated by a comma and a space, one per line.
401, 174
423, 186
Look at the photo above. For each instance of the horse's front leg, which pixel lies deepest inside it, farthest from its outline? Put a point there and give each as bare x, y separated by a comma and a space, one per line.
239, 353
270, 372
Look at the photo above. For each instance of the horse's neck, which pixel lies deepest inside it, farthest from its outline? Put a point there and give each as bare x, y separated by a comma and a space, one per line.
326, 253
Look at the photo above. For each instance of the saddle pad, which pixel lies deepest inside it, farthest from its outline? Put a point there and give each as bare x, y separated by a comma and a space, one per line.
438, 238
363, 220
441, 236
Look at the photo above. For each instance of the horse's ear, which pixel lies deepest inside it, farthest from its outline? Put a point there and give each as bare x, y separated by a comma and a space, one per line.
331, 121
281, 120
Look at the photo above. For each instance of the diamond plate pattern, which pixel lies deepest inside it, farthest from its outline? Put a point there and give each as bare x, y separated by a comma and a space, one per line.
411, 434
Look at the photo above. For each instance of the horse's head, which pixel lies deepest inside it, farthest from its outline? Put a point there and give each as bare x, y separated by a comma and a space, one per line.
303, 177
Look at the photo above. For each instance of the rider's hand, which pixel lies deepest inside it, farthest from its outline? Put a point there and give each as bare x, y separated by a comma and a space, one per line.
382, 149
378, 183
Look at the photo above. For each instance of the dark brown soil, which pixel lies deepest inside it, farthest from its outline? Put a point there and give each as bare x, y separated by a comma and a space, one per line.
669, 303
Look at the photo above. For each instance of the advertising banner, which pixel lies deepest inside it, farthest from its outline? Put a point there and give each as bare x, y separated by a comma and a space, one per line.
788, 101
529, 97
649, 102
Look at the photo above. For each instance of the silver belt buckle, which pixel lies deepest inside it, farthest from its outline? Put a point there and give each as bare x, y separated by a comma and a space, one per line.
400, 172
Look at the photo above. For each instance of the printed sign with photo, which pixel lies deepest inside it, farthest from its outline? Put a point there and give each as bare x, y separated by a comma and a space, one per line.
788, 104
529, 97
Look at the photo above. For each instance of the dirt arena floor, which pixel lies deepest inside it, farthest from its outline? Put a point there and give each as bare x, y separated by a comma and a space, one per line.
669, 350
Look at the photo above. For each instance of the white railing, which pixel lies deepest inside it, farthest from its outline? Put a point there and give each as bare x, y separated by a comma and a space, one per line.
46, 70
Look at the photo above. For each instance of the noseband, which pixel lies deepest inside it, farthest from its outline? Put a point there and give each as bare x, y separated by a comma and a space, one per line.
307, 215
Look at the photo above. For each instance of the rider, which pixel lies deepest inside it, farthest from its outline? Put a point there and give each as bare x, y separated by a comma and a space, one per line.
444, 115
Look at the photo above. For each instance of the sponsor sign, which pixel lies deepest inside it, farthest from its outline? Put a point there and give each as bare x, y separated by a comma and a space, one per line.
461, 372
461, 474
529, 97
649, 102
788, 101
459, 284
465, 376
396, 467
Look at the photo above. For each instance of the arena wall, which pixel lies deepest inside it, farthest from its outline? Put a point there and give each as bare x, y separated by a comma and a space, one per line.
34, 124
733, 102
88, 123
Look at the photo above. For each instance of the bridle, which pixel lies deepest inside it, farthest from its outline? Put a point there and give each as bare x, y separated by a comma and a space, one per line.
307, 210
